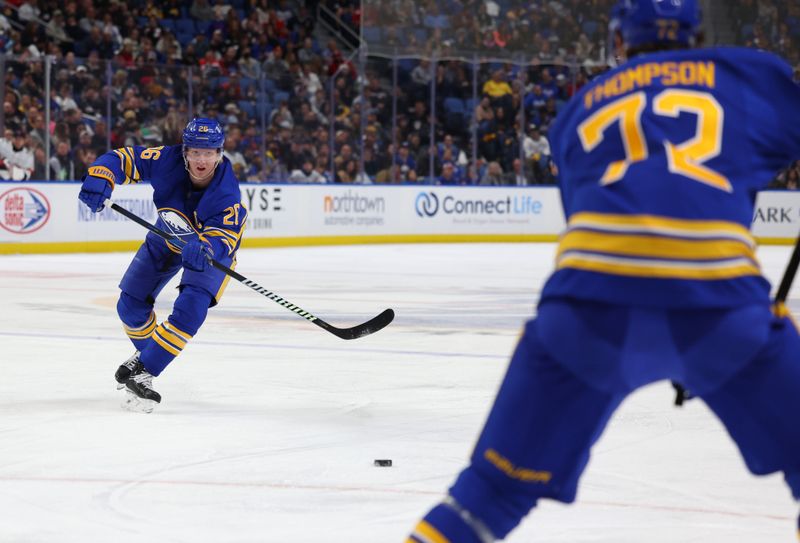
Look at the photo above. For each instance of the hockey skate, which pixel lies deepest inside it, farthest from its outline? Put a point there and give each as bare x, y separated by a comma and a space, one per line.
124, 371
138, 385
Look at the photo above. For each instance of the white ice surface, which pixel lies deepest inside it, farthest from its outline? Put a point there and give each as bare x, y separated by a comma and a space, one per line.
269, 426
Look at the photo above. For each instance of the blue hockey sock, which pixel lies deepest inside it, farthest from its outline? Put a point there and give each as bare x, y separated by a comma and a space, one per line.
444, 524
171, 336
138, 319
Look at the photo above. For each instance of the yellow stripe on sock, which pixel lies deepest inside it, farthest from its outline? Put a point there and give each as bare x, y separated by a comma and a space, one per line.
428, 533
141, 332
166, 335
177, 331
144, 334
166, 346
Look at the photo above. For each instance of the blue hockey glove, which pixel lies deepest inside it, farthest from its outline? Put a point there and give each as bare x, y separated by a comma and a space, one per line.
197, 255
95, 191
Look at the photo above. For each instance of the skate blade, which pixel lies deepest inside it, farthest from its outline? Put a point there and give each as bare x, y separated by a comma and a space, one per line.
120, 386
134, 403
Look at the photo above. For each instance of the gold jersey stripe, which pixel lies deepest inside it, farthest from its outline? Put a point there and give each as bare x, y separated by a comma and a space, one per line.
126, 164
661, 269
667, 226
233, 235
653, 246
135, 172
123, 164
224, 239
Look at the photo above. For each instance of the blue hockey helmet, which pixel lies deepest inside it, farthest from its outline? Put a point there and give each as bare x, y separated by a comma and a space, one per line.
203, 133
656, 22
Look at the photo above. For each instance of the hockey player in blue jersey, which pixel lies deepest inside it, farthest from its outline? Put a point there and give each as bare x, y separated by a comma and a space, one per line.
656, 276
198, 200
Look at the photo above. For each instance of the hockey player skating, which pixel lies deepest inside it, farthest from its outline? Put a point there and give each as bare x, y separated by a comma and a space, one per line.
197, 197
656, 275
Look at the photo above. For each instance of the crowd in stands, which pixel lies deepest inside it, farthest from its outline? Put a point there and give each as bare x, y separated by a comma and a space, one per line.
772, 25
132, 73
557, 32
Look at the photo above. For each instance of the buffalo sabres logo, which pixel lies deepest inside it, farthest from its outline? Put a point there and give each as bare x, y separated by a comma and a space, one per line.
176, 224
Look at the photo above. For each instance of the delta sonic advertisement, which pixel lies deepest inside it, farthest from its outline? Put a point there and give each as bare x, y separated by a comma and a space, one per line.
42, 212
24, 210
491, 210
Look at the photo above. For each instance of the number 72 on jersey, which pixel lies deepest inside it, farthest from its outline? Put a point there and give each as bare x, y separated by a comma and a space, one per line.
684, 158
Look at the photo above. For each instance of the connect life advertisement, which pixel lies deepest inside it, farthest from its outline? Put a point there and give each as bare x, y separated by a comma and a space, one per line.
489, 210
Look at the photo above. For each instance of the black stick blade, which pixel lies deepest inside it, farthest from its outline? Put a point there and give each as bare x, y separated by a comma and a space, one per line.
370, 327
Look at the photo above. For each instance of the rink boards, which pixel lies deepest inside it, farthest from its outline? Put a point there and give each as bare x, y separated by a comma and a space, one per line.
47, 217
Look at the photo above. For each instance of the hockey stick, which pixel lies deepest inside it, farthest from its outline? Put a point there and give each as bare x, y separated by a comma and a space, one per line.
788, 275
361, 330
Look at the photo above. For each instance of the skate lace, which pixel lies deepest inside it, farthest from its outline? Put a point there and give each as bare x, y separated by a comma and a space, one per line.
145, 379
131, 362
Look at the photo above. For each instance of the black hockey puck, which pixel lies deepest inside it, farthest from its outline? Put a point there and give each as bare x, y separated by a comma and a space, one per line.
383, 462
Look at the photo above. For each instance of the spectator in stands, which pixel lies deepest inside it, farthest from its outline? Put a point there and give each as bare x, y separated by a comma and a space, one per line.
449, 175
277, 69
81, 166
282, 116
406, 164
484, 113
231, 151
419, 121
791, 179
100, 137
201, 10
345, 165
307, 174
57, 27
499, 91
447, 146
493, 175
420, 80
83, 147
62, 164
39, 164
536, 150
517, 177
128, 132
16, 156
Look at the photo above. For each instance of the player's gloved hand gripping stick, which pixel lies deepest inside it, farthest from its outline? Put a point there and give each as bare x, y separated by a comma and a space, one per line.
364, 329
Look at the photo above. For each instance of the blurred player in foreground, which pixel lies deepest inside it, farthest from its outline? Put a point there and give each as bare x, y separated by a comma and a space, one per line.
197, 197
656, 275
